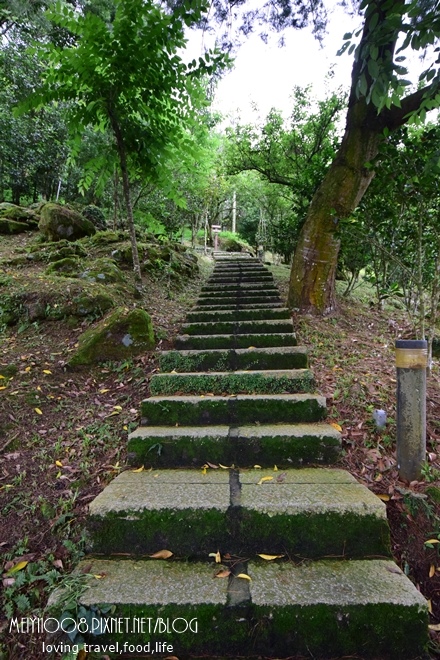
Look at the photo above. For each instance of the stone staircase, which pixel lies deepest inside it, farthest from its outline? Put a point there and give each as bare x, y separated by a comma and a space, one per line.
232, 430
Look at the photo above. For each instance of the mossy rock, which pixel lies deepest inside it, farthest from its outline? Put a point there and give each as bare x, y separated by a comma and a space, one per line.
11, 308
106, 237
71, 250
12, 226
121, 335
95, 215
124, 253
58, 222
91, 304
68, 267
20, 214
103, 270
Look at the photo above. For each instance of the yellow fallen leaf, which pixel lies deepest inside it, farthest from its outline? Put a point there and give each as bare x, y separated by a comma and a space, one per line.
257, 467
270, 557
431, 571
275, 468
243, 576
218, 557
17, 567
336, 426
224, 467
141, 469
58, 464
99, 576
434, 626
46, 371
104, 391
384, 497
117, 407
4, 377
223, 573
115, 412
430, 606
38, 411
204, 469
3, 387
251, 348
432, 541
28, 369
161, 554
263, 479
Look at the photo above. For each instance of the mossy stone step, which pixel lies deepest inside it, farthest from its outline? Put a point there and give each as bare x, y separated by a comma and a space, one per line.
240, 277
327, 608
237, 327
231, 302
240, 292
280, 357
235, 382
312, 512
269, 339
240, 288
238, 315
284, 445
237, 304
234, 409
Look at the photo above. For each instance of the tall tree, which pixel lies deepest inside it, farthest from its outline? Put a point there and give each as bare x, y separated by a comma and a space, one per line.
377, 105
128, 76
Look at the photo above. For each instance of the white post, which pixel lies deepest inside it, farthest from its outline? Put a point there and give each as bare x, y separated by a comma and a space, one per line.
234, 212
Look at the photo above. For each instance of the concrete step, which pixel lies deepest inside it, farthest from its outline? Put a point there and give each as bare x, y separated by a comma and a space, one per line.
233, 382
281, 357
238, 315
236, 278
232, 410
307, 513
228, 302
226, 289
240, 292
284, 445
237, 327
326, 609
270, 339
237, 305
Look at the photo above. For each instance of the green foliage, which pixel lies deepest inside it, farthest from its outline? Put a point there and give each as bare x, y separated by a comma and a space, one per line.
287, 161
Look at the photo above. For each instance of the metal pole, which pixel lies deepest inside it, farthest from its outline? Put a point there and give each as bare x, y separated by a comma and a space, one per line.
411, 363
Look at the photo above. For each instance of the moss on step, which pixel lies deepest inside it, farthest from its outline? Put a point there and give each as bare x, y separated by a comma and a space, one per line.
233, 382
240, 409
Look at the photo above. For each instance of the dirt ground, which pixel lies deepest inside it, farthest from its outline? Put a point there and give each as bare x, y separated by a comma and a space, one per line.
63, 434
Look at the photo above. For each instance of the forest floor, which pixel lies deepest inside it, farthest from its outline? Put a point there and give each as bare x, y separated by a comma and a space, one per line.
63, 435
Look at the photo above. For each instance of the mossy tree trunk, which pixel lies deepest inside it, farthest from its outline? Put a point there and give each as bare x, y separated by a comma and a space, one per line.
312, 281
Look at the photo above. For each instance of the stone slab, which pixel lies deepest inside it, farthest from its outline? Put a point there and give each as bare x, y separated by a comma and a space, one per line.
237, 327
238, 315
240, 301
282, 357
269, 339
267, 445
363, 609
232, 410
236, 382
237, 305
268, 511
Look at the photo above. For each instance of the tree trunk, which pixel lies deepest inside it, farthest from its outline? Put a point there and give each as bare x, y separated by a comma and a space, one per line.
312, 280
312, 283
127, 194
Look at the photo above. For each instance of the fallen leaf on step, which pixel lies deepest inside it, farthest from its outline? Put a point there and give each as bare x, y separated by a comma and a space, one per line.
162, 554
263, 479
270, 557
212, 465
243, 576
383, 496
434, 626
141, 469
431, 571
223, 573
336, 426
